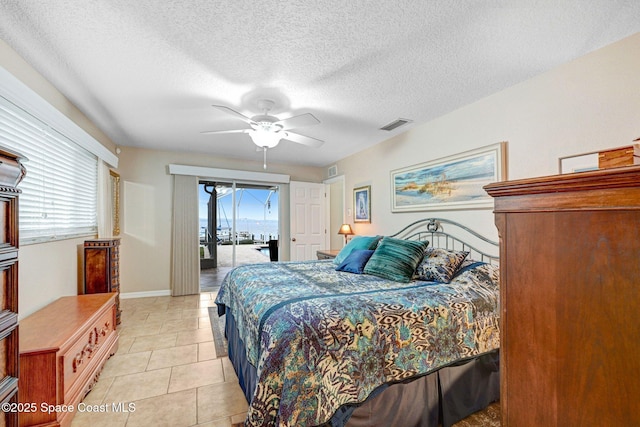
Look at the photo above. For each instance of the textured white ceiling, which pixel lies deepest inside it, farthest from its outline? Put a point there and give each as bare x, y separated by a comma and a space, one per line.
147, 71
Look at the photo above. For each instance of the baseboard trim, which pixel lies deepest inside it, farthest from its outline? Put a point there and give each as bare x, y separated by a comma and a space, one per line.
127, 295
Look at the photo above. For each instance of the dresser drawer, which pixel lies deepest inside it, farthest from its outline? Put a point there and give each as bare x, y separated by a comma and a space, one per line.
83, 351
63, 347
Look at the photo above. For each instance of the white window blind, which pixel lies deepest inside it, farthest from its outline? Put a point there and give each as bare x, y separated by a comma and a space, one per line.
59, 192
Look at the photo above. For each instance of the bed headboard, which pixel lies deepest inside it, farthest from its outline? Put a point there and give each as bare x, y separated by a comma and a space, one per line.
447, 234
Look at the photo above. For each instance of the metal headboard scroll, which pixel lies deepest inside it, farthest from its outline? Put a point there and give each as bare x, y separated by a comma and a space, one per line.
431, 229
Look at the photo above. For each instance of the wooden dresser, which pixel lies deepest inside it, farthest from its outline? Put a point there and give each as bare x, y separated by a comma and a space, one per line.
11, 173
63, 348
102, 268
570, 298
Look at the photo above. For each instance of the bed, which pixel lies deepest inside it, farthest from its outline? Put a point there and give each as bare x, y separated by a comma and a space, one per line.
409, 336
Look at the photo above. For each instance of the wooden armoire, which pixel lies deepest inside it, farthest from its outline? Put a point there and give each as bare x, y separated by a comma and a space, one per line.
102, 268
570, 298
11, 173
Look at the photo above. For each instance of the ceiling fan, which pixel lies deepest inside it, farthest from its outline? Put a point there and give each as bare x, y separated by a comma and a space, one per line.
266, 131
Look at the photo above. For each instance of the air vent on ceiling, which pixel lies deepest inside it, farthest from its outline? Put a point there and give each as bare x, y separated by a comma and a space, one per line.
395, 124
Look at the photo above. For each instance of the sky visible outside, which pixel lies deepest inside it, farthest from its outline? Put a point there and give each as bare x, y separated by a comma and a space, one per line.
250, 202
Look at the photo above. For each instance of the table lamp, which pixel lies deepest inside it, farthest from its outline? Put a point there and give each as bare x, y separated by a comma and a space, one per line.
346, 230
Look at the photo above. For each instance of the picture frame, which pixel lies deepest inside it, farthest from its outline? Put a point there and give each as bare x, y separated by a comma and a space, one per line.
114, 179
453, 182
362, 204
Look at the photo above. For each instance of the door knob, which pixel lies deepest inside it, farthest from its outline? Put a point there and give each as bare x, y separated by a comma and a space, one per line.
293, 239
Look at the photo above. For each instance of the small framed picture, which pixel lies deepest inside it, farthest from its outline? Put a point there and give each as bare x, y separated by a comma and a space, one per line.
362, 204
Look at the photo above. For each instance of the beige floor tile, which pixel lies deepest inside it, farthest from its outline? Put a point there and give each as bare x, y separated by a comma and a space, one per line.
100, 419
170, 410
99, 391
229, 372
238, 418
153, 342
194, 336
219, 401
125, 364
184, 304
133, 387
196, 375
208, 303
159, 305
221, 422
206, 351
195, 313
133, 315
204, 322
124, 344
138, 330
151, 322
162, 316
179, 325
173, 356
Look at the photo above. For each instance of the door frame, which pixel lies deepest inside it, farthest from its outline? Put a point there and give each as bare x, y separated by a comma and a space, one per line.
330, 209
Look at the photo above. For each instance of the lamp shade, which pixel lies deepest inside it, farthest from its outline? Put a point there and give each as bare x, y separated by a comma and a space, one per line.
346, 230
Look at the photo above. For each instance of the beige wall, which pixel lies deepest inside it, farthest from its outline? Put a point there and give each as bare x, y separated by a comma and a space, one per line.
147, 191
586, 105
17, 66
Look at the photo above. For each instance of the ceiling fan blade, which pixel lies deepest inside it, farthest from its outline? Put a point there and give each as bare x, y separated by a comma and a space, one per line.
302, 120
302, 139
235, 114
226, 131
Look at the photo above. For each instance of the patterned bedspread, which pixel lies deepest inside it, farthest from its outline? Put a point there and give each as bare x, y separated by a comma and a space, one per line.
320, 338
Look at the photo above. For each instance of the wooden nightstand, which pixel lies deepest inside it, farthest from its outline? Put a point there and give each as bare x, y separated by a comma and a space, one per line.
327, 253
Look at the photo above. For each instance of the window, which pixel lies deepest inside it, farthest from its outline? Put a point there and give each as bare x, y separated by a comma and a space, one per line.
59, 192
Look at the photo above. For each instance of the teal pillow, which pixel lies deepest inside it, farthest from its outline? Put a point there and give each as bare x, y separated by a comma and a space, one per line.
396, 259
358, 242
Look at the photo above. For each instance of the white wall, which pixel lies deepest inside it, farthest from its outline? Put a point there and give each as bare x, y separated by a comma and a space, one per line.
589, 104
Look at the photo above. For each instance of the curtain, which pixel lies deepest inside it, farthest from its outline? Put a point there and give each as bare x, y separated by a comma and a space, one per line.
185, 259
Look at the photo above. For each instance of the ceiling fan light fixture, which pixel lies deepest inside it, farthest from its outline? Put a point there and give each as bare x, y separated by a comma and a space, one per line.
265, 138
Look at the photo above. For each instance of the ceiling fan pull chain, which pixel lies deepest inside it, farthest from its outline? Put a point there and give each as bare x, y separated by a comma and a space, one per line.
264, 150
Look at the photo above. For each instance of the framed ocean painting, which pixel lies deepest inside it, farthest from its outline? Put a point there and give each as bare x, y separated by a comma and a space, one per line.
453, 182
362, 204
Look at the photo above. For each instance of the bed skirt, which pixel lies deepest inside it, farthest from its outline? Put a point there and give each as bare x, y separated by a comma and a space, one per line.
442, 397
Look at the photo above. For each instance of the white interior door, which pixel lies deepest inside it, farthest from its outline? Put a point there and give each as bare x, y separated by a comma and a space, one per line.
308, 228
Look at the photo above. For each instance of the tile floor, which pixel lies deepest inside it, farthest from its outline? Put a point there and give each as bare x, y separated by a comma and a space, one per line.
166, 367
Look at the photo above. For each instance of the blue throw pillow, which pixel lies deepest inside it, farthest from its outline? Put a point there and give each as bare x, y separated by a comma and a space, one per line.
396, 259
358, 242
356, 261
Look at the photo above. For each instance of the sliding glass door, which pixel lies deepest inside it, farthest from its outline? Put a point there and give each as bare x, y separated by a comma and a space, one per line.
238, 223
